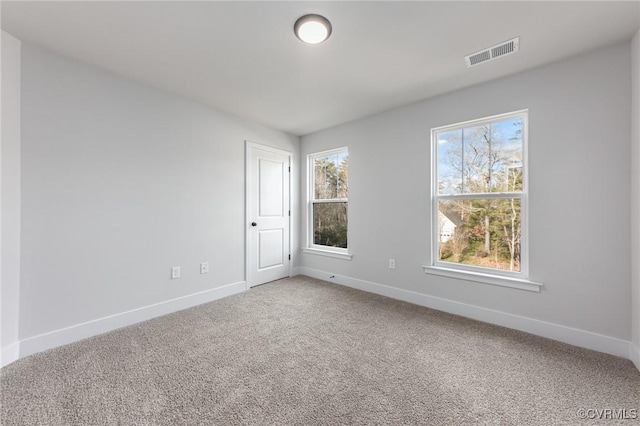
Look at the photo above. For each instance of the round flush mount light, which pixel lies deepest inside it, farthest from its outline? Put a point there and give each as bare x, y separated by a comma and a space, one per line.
312, 29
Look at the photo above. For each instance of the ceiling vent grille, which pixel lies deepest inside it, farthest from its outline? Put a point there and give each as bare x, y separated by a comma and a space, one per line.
493, 52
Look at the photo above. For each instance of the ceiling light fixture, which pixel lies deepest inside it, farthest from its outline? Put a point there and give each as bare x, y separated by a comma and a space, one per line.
312, 29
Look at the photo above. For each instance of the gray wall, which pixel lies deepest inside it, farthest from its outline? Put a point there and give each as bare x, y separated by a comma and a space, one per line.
10, 212
579, 132
635, 196
119, 183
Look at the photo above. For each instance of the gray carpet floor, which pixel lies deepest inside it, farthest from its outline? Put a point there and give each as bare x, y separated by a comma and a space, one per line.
302, 351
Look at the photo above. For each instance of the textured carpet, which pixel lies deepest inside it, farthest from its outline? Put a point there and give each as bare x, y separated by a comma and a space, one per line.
302, 351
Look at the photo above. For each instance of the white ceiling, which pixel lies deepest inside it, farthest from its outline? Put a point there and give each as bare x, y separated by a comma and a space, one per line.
243, 58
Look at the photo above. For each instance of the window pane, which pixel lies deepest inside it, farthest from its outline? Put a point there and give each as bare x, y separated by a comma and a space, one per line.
449, 162
330, 224
480, 159
506, 145
480, 232
331, 176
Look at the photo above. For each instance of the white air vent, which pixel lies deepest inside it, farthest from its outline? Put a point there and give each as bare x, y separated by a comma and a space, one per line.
493, 52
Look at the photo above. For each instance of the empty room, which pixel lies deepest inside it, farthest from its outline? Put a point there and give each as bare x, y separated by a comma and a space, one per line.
319, 213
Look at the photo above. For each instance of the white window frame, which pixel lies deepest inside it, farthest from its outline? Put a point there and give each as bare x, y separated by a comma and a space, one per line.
311, 248
475, 273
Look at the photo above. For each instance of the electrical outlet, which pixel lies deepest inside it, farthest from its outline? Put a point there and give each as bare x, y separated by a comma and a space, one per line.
392, 264
204, 268
175, 272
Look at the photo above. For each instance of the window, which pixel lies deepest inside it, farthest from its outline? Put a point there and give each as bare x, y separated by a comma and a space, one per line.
328, 201
479, 196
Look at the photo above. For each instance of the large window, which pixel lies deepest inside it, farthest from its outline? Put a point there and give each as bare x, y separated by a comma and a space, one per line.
479, 196
328, 200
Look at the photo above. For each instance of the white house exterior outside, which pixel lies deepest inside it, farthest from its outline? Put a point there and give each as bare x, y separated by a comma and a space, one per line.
447, 227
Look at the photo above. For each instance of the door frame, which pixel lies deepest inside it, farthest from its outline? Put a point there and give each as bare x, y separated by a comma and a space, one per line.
249, 146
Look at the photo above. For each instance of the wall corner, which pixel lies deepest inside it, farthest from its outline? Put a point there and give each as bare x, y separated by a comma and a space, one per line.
635, 199
10, 190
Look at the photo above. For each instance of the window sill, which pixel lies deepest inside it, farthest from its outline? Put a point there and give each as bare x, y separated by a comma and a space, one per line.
484, 278
328, 253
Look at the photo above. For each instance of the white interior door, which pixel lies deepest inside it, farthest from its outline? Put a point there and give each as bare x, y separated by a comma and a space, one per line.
268, 214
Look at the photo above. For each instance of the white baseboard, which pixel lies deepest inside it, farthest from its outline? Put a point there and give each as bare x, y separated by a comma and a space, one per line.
9, 354
572, 336
634, 352
81, 331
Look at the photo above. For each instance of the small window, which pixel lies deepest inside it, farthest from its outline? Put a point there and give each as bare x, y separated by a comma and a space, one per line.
328, 200
479, 195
